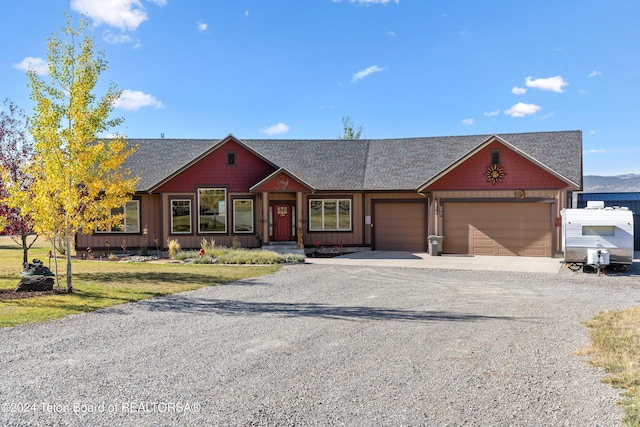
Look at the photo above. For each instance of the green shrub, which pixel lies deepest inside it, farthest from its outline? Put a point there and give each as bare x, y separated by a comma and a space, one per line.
257, 256
185, 255
222, 255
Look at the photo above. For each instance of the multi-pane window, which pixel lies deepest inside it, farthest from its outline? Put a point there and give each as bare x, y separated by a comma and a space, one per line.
181, 216
243, 216
212, 209
330, 215
130, 218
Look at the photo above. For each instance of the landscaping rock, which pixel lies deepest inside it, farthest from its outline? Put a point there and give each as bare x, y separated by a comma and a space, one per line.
35, 283
36, 269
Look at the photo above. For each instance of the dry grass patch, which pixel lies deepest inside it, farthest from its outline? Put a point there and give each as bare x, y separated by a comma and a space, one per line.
615, 347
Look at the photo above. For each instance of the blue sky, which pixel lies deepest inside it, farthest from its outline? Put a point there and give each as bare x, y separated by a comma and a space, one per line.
399, 68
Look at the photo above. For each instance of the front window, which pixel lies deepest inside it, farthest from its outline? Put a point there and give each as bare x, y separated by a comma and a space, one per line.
181, 216
243, 216
212, 208
130, 218
330, 215
598, 230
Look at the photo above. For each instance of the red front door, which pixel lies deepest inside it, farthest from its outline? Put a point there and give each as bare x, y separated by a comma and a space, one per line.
282, 222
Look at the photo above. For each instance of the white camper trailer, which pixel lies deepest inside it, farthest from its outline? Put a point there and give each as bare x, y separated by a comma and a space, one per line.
597, 236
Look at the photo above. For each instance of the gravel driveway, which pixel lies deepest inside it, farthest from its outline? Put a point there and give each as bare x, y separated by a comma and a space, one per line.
324, 345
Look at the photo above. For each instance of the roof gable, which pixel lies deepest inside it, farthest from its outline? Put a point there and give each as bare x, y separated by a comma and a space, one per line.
213, 168
516, 171
281, 180
158, 161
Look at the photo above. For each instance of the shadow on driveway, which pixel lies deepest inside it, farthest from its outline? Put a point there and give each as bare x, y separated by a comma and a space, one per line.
183, 304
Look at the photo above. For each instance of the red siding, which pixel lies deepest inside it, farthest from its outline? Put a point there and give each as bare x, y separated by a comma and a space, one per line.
518, 173
282, 182
213, 170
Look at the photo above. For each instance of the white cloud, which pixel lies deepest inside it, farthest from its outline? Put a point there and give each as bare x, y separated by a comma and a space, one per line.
592, 132
246, 13
595, 73
278, 129
202, 26
594, 151
364, 73
521, 109
134, 100
36, 64
391, 33
124, 14
114, 135
519, 90
554, 84
112, 38
492, 113
468, 122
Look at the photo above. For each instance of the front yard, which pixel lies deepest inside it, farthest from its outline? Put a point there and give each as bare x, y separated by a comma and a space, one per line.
99, 284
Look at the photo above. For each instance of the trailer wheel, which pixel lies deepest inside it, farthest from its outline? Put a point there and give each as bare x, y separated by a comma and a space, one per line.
574, 267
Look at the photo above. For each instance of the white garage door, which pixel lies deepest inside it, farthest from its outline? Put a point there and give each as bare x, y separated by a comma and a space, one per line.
400, 227
498, 229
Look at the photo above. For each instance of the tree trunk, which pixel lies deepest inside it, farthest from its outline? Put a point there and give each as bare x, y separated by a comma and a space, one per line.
25, 250
55, 260
68, 256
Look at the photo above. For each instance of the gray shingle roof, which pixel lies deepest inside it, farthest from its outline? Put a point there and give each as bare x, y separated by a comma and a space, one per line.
380, 164
323, 164
157, 159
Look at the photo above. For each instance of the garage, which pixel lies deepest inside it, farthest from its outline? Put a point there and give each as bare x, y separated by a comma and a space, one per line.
400, 226
522, 229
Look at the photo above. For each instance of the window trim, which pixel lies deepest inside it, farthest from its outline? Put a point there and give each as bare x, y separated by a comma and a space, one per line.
496, 152
226, 211
253, 214
124, 219
232, 158
181, 199
337, 200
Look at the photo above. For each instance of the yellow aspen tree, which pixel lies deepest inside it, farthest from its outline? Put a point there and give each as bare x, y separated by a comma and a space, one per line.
78, 178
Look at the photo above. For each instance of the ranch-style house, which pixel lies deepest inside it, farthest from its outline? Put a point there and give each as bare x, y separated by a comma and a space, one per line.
486, 194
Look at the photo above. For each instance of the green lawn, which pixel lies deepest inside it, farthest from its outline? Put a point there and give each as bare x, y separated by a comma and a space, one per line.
99, 284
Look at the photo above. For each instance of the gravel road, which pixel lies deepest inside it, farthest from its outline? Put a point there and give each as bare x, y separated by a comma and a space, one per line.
324, 345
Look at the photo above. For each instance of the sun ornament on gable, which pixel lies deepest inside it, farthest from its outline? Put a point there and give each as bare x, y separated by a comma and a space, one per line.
495, 174
282, 182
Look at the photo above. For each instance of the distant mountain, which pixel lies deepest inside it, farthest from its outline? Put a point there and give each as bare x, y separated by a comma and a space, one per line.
611, 184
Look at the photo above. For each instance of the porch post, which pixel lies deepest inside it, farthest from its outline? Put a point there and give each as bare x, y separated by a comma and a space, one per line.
265, 218
299, 219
